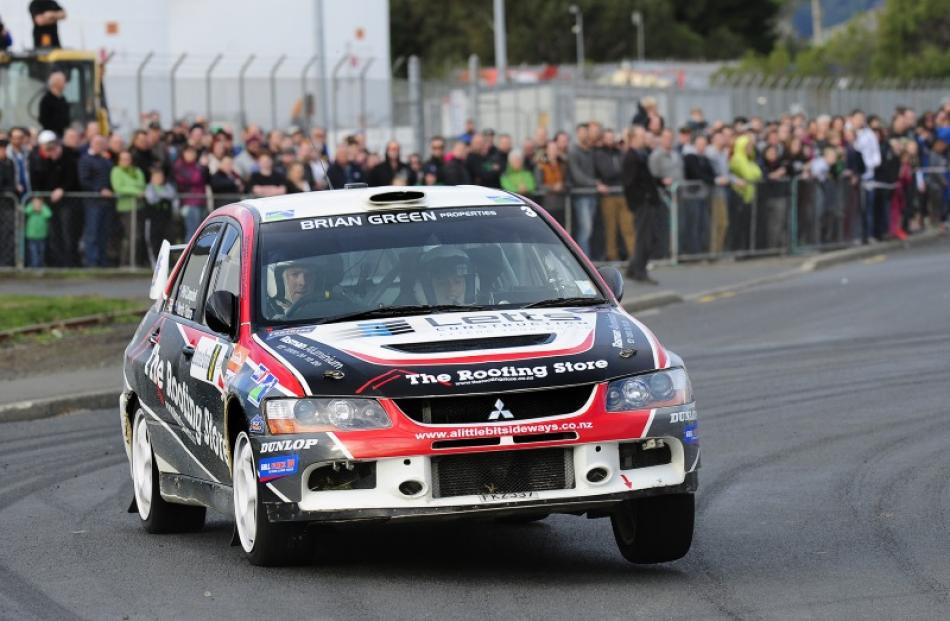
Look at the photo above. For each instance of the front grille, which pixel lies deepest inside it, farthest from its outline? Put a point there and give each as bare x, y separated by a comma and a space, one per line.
500, 342
502, 472
486, 408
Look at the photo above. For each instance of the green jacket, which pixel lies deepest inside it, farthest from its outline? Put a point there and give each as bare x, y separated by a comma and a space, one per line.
128, 185
37, 222
513, 180
742, 167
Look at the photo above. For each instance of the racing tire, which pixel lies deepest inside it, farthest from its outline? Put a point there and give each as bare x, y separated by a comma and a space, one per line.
264, 543
655, 529
157, 514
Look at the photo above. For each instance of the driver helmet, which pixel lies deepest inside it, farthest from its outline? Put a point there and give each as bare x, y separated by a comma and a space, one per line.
446, 276
296, 278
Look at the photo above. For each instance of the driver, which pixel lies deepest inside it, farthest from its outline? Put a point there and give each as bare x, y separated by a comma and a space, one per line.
297, 280
306, 280
446, 276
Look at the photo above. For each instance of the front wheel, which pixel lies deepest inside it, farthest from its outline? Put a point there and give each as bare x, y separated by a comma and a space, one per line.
157, 514
655, 529
263, 542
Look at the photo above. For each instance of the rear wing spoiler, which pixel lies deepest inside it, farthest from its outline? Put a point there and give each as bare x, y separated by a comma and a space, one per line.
162, 265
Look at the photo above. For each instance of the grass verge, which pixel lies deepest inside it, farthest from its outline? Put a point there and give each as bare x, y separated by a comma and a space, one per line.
17, 311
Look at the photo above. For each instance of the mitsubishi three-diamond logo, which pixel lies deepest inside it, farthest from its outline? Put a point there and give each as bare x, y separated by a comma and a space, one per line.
500, 411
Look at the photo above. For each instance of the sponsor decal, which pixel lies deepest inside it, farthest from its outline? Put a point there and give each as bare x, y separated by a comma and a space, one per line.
502, 320
529, 212
689, 434
185, 302
503, 199
195, 421
506, 496
256, 425
295, 348
401, 217
260, 373
288, 445
377, 328
265, 384
270, 468
237, 359
508, 373
626, 481
466, 213
507, 429
280, 214
205, 362
683, 416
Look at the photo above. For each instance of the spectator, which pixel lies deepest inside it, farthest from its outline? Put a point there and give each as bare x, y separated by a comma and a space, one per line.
584, 187
54, 109
616, 217
696, 123
158, 148
54, 174
553, 180
190, 180
666, 166
416, 171
493, 160
390, 168
296, 181
437, 155
318, 139
530, 157
475, 162
128, 185
643, 199
219, 149
6, 41
46, 15
161, 200
718, 156
646, 109
694, 198
336, 174
38, 215
95, 168
266, 181
246, 161
225, 184
469, 132
454, 171
865, 143
7, 170
775, 197
18, 151
746, 174
515, 177
142, 155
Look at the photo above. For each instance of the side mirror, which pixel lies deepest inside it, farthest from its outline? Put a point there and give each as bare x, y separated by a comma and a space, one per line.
221, 312
614, 280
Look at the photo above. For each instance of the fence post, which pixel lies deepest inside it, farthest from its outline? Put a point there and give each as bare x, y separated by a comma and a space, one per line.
214, 63
793, 219
363, 94
138, 83
273, 90
171, 76
241, 100
674, 223
416, 103
753, 217
133, 234
303, 92
19, 231
336, 70
473, 74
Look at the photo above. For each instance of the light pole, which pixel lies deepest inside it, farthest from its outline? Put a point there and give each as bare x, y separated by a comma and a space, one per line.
501, 42
637, 19
578, 31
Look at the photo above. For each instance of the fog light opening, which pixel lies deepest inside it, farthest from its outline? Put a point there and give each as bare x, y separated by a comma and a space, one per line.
597, 475
412, 488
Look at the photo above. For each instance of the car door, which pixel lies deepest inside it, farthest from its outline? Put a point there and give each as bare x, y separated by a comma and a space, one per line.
184, 450
203, 361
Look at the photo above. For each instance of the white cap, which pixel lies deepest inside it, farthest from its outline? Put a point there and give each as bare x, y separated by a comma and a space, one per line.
46, 136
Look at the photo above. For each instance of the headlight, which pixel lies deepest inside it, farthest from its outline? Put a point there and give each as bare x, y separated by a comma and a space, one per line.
651, 390
301, 415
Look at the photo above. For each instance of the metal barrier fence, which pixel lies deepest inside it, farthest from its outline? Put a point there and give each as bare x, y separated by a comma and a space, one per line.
696, 221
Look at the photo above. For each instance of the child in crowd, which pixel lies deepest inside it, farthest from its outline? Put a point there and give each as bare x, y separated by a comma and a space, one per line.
160, 204
38, 215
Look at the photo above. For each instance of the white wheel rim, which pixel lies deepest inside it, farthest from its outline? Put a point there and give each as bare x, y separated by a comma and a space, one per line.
245, 494
142, 468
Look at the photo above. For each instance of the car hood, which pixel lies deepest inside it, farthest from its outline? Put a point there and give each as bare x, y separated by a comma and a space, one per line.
466, 352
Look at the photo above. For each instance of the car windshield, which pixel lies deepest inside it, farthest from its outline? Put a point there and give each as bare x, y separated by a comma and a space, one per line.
335, 268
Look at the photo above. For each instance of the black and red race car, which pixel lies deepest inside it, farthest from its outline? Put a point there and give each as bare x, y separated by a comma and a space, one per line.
381, 354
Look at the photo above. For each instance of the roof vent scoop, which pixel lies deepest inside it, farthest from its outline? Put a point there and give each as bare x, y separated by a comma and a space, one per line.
354, 186
398, 197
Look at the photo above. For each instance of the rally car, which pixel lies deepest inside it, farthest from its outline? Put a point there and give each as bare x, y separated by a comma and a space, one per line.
394, 354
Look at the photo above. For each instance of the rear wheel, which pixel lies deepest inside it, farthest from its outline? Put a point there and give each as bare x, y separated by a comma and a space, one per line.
157, 515
263, 542
655, 529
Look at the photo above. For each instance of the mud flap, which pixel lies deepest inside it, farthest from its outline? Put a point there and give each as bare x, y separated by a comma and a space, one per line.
235, 540
133, 506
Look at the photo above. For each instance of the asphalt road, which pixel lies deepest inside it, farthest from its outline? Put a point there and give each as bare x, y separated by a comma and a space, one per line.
825, 421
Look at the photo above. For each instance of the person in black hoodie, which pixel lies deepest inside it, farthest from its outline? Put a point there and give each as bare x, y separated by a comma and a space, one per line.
8, 207
454, 171
225, 182
695, 204
54, 172
54, 109
640, 190
888, 172
391, 167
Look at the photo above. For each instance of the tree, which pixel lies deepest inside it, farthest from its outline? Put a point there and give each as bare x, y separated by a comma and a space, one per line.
444, 33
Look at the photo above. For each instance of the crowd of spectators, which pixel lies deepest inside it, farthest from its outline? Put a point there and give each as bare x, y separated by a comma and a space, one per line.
619, 185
